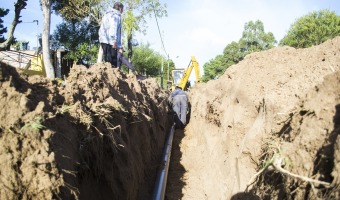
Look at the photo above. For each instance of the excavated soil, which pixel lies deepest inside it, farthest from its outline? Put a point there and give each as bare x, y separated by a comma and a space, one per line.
267, 129
97, 135
279, 105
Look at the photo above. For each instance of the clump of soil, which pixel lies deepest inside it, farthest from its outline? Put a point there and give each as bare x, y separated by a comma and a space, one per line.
280, 102
97, 135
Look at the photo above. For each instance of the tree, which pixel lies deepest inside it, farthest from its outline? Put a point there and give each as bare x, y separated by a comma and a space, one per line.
3, 29
255, 39
78, 10
232, 54
214, 68
46, 8
147, 61
312, 29
19, 5
78, 38
134, 20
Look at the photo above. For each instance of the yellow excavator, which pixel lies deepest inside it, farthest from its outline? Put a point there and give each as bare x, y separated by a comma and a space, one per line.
181, 76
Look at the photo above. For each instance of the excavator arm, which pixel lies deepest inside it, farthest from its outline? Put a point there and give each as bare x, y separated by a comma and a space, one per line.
183, 83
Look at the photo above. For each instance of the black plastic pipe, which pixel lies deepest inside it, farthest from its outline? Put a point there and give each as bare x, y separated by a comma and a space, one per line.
160, 186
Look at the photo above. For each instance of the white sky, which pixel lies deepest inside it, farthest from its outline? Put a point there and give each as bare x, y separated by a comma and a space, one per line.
200, 28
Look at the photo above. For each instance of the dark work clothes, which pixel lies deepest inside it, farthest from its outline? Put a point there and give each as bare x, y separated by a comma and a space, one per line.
179, 101
122, 60
110, 54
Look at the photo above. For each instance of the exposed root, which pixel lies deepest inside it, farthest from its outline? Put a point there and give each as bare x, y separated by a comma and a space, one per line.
254, 178
100, 133
276, 163
303, 178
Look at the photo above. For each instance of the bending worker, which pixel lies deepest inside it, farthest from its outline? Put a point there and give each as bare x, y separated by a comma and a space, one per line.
179, 102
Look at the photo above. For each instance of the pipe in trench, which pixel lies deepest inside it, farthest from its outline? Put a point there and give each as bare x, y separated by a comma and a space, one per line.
160, 186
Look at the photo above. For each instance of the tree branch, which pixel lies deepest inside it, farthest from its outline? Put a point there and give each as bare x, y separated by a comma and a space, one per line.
19, 5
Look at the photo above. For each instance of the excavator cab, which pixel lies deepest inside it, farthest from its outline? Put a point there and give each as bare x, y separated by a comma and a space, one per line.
177, 75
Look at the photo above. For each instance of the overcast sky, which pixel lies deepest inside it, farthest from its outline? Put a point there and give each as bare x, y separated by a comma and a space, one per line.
202, 28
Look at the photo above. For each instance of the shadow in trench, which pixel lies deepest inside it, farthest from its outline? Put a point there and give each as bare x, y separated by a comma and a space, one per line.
324, 163
245, 196
176, 172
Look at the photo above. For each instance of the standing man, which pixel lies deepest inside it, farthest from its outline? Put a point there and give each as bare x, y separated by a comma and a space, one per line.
179, 102
110, 33
110, 37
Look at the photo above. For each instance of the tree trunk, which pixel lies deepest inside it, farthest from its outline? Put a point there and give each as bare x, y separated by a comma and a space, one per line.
46, 7
19, 5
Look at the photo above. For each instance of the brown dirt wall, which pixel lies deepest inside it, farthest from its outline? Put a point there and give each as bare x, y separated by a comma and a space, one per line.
97, 135
283, 100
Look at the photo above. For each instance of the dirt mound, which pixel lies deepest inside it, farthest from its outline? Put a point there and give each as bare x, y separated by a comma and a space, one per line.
276, 101
100, 133
97, 135
308, 145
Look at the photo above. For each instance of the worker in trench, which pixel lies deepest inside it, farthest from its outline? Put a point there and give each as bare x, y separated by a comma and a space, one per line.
178, 101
